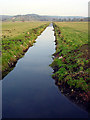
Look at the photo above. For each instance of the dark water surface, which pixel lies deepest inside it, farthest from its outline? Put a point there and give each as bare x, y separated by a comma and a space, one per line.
29, 90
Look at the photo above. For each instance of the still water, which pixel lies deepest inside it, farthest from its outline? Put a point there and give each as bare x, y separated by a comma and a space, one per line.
29, 90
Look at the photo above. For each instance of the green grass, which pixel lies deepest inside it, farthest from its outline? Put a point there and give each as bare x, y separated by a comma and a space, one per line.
13, 29
71, 57
17, 42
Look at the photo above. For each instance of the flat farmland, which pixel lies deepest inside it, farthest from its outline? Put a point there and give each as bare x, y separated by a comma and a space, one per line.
17, 37
13, 29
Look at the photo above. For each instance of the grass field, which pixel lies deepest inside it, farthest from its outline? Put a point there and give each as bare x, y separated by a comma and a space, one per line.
13, 29
71, 62
17, 37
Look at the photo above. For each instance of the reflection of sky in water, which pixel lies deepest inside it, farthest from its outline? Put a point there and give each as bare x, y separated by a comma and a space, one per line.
0, 99
29, 90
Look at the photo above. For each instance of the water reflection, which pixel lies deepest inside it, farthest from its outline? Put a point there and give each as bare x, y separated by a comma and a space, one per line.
29, 90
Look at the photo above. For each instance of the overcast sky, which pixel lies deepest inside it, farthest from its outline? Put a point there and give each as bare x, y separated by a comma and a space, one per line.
45, 7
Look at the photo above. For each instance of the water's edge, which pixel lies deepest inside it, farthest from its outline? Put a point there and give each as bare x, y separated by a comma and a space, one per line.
70, 92
12, 64
29, 90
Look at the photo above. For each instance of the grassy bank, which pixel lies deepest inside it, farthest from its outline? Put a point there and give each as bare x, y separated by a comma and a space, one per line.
71, 62
0, 50
16, 39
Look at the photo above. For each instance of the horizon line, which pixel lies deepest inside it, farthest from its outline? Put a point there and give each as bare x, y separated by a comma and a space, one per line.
44, 15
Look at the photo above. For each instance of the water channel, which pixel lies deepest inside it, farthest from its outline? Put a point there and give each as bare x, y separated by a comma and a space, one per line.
29, 91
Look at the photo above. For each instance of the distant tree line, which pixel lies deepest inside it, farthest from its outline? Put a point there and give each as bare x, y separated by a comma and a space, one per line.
35, 17
71, 19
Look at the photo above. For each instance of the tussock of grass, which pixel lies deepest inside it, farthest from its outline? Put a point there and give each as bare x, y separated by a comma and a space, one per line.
71, 58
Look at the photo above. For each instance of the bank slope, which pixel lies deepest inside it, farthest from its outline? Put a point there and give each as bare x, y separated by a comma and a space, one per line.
71, 61
13, 48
